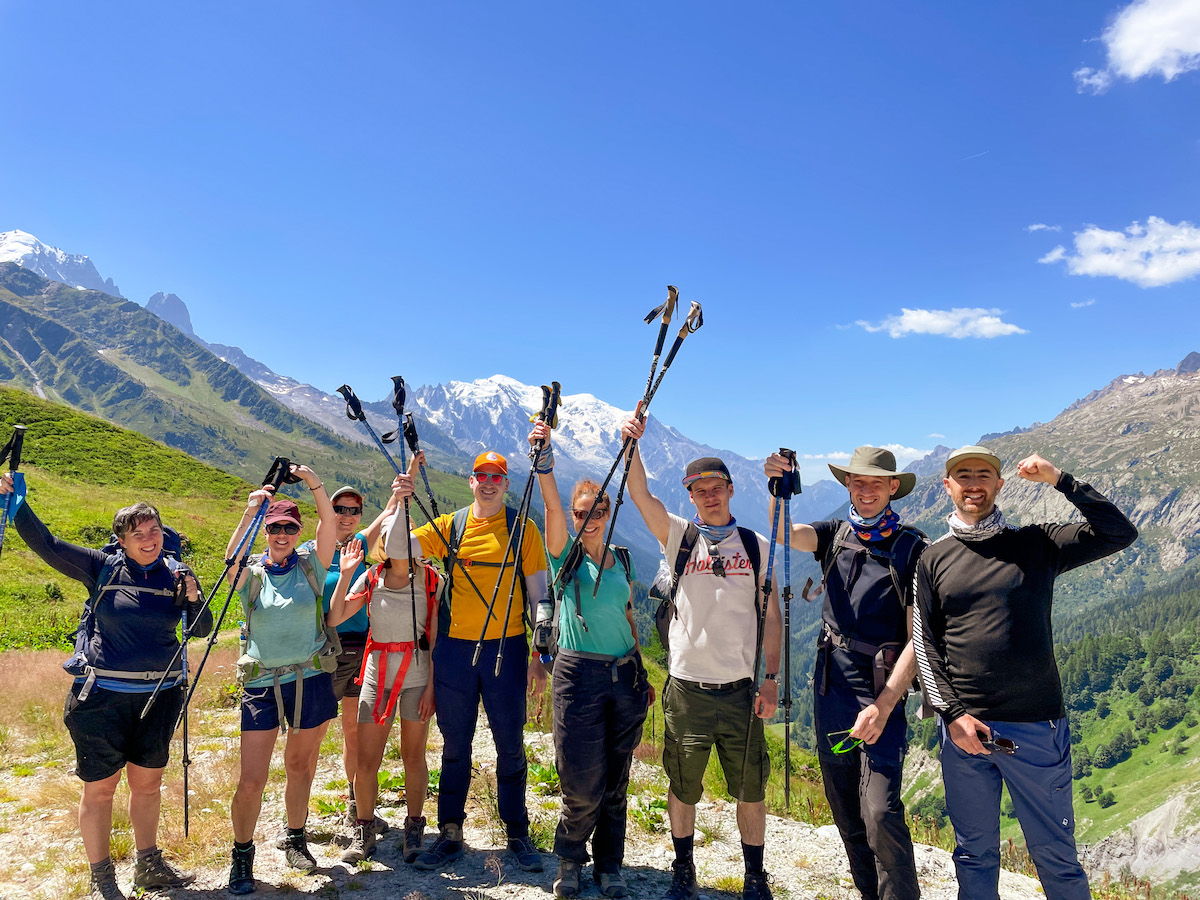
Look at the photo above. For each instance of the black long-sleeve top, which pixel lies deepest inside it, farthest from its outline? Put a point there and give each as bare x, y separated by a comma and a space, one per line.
983, 640
134, 631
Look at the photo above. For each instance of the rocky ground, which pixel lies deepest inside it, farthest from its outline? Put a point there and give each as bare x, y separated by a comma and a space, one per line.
804, 861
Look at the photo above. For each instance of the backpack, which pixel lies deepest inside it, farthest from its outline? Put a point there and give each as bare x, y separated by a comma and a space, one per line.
77, 664
666, 608
567, 576
457, 526
901, 559
325, 659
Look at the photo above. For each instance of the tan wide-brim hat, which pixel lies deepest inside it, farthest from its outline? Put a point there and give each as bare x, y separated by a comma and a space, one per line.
878, 462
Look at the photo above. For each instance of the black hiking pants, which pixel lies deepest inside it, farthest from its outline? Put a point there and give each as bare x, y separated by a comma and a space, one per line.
599, 708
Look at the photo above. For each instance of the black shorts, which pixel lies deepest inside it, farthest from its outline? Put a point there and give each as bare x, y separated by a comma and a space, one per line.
260, 710
108, 732
349, 665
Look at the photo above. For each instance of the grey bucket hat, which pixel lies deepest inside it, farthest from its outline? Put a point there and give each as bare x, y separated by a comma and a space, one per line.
878, 462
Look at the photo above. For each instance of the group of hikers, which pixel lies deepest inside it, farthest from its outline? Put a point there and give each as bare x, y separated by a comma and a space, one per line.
969, 614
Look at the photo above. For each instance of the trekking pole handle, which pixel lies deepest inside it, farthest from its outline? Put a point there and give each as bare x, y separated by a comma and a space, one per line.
354, 410
18, 438
398, 395
552, 409
789, 483
410, 432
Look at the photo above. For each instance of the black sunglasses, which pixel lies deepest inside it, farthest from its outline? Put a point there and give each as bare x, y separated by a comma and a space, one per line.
999, 745
347, 510
285, 527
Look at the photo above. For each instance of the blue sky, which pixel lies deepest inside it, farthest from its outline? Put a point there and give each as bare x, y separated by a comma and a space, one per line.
909, 224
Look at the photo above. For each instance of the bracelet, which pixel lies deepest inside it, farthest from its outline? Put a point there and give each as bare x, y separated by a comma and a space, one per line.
317, 488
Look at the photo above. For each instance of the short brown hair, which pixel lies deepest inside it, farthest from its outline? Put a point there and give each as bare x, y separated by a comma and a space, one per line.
132, 516
587, 486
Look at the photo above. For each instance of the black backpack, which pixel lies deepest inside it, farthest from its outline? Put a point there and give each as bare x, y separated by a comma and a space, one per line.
666, 608
901, 559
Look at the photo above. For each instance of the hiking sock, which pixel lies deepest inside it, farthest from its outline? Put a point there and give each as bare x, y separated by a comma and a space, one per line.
296, 832
243, 846
105, 863
753, 854
364, 822
142, 854
683, 847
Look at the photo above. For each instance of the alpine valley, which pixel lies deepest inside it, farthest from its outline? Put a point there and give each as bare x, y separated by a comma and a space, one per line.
1129, 638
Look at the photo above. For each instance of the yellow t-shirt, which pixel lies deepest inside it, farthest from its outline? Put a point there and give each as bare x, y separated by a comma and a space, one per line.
483, 540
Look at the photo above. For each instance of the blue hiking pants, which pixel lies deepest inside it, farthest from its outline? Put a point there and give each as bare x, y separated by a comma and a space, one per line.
1038, 777
458, 687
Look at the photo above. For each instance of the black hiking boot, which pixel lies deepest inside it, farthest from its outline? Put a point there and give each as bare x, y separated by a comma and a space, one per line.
241, 873
683, 882
104, 883
414, 837
529, 857
756, 886
297, 854
447, 848
152, 872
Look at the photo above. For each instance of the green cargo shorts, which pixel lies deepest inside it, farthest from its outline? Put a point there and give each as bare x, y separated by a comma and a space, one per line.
698, 718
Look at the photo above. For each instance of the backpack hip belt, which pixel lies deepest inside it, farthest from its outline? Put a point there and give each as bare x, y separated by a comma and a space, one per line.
405, 647
883, 656
91, 673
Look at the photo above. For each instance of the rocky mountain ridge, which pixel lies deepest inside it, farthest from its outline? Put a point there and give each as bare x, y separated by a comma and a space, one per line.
74, 269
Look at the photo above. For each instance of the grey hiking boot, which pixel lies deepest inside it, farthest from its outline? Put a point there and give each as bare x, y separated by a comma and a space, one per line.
414, 837
611, 884
362, 845
446, 848
104, 883
529, 857
152, 872
683, 882
241, 873
381, 825
757, 886
566, 882
297, 854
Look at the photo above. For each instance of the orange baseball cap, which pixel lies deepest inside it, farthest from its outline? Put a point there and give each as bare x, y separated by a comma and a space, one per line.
491, 461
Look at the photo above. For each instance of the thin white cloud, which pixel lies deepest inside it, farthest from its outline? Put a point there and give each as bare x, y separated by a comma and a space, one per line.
1147, 37
953, 323
1081, 304
1149, 255
1039, 226
904, 455
934, 434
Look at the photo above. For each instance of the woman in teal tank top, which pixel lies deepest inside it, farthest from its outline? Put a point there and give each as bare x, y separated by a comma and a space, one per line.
600, 690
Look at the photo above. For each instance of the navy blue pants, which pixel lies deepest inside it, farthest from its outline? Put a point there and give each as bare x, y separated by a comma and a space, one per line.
1038, 777
458, 687
598, 716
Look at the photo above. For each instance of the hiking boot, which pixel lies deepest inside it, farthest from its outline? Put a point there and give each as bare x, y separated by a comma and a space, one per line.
611, 884
104, 883
381, 826
529, 857
241, 873
757, 886
566, 882
445, 849
152, 872
297, 855
683, 882
362, 844
414, 836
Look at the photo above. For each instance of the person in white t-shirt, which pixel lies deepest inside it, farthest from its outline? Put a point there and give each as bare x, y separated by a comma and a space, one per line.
712, 698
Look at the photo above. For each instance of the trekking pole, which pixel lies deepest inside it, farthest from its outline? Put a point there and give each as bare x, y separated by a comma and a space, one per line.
695, 318
187, 760
398, 395
784, 488
760, 625
516, 539
410, 435
11, 452
354, 412
279, 473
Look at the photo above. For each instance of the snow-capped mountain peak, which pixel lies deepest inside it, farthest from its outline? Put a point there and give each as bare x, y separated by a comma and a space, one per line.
74, 269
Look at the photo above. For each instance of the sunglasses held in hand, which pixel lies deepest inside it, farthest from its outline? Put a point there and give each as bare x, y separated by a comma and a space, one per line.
998, 744
846, 744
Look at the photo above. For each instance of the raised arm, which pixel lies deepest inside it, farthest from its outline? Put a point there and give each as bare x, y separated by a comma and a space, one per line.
341, 606
371, 532
81, 563
654, 514
253, 502
556, 520
326, 541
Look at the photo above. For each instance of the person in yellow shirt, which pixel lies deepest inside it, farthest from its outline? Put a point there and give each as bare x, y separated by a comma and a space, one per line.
472, 543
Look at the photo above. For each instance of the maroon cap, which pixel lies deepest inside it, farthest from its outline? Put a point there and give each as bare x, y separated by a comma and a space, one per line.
283, 511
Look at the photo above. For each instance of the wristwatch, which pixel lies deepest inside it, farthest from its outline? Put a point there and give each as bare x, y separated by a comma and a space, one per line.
772, 676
